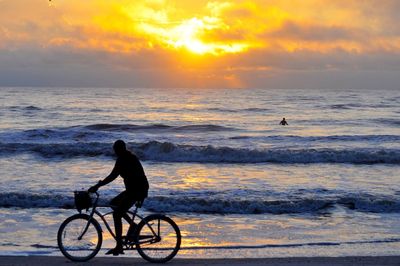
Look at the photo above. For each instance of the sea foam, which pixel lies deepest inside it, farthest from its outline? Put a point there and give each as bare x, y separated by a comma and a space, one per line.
170, 152
221, 205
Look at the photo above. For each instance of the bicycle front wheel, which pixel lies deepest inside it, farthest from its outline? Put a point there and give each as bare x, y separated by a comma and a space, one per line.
79, 237
158, 238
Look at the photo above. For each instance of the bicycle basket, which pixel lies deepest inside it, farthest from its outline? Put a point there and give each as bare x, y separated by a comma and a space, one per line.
82, 200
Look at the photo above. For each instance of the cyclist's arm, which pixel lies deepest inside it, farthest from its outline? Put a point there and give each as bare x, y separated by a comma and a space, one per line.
111, 177
114, 174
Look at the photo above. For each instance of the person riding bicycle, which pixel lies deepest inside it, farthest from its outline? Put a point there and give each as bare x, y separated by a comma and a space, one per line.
130, 169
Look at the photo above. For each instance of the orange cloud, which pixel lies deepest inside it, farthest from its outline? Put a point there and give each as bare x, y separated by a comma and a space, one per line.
211, 27
205, 43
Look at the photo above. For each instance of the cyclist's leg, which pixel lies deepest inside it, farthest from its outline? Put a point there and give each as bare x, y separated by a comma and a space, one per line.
117, 214
120, 204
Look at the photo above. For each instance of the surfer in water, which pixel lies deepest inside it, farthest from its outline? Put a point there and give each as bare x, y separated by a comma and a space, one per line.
283, 122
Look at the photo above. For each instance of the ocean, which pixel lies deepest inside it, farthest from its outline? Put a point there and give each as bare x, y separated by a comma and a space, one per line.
237, 183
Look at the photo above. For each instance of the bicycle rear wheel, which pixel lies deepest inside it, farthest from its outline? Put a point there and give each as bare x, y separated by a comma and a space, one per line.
77, 244
158, 238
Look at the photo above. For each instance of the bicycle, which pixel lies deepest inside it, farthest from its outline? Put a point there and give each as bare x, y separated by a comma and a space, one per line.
157, 238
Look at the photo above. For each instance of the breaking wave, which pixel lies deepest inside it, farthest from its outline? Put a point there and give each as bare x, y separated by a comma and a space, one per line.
155, 127
170, 152
331, 138
190, 204
99, 132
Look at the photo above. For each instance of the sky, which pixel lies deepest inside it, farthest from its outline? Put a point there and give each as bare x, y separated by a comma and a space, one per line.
201, 44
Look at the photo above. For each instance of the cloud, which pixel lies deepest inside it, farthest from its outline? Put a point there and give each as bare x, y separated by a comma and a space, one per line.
198, 43
323, 33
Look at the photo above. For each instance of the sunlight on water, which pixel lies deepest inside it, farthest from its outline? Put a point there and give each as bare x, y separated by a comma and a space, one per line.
237, 183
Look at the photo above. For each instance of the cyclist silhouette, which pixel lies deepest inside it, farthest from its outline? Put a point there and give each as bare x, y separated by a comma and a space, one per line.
130, 169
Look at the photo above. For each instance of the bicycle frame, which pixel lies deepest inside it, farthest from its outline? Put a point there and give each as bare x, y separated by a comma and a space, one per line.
133, 215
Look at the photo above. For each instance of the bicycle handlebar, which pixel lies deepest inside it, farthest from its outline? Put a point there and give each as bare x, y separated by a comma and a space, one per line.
97, 197
97, 194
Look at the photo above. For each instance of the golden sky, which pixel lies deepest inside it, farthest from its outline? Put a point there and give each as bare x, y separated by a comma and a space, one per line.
185, 43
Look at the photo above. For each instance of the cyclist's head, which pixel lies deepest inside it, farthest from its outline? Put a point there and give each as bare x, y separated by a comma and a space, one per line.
119, 147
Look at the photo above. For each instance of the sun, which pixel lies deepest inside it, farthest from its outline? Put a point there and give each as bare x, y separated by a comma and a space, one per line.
195, 34
197, 47
186, 35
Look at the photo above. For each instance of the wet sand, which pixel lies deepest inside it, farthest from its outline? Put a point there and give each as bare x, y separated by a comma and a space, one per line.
306, 261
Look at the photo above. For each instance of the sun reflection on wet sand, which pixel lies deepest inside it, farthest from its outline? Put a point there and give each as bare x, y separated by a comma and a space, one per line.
33, 231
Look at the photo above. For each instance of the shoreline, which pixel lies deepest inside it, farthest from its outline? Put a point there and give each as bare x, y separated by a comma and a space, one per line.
288, 261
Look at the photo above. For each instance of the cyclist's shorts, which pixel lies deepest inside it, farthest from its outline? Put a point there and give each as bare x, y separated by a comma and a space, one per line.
123, 202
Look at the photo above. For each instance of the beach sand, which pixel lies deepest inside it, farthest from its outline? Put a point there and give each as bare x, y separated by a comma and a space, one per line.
306, 261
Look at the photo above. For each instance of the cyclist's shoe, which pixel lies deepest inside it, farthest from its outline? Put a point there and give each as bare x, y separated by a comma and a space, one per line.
115, 251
